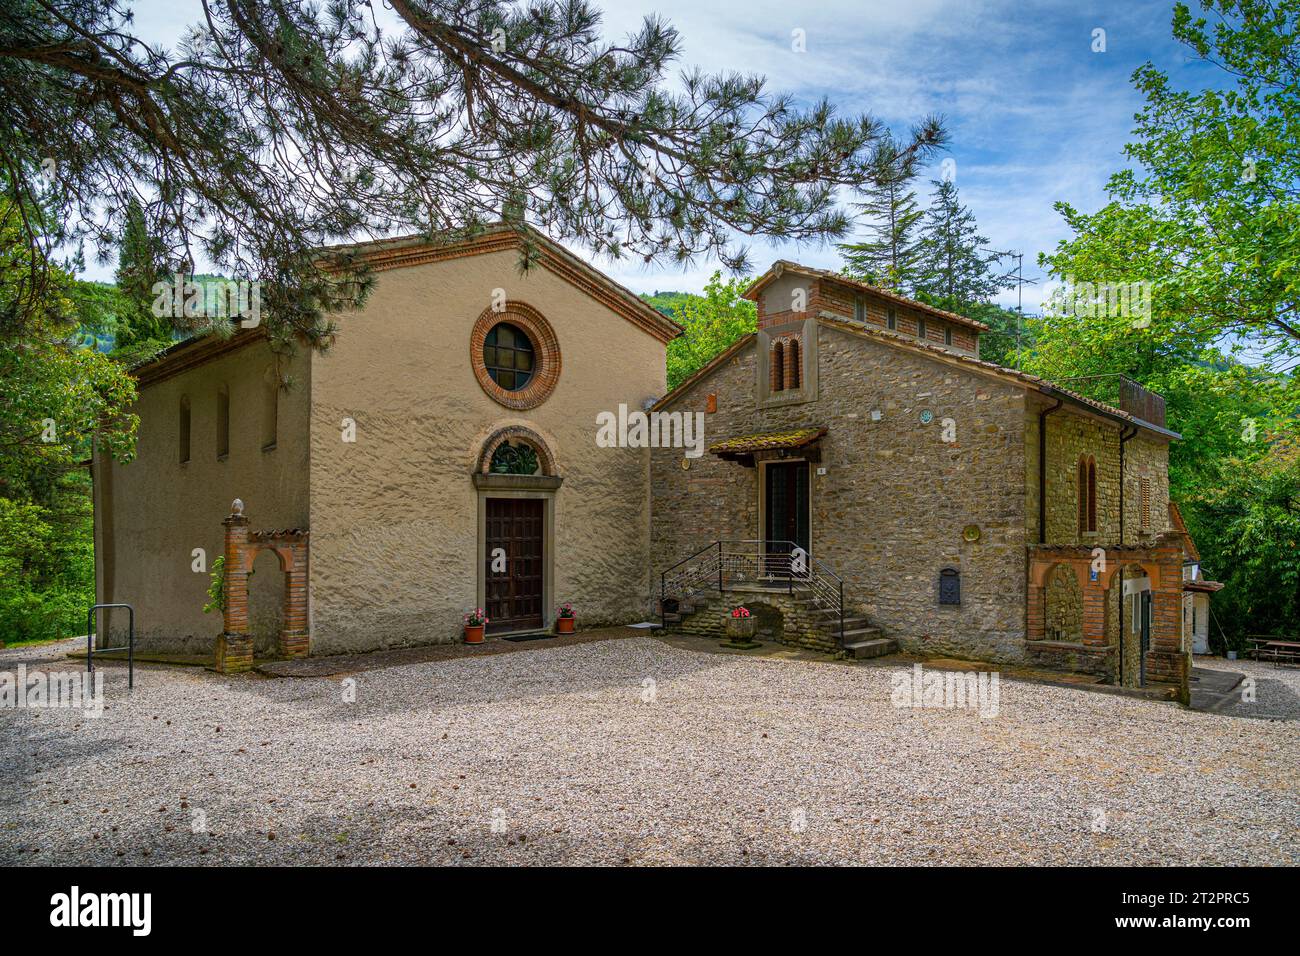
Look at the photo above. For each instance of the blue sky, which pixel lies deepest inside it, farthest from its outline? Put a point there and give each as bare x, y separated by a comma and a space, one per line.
1035, 115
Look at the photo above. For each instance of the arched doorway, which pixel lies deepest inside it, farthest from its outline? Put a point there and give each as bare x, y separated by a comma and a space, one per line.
516, 482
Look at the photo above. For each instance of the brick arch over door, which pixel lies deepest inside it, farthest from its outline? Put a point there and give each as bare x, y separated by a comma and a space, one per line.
512, 433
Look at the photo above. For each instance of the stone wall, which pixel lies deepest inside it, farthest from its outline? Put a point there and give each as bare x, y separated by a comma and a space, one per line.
889, 512
781, 619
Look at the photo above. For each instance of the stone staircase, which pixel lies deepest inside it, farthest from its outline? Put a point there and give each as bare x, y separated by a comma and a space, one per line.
806, 623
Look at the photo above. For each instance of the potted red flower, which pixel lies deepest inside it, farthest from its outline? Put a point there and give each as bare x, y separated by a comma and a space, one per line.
475, 622
740, 629
564, 619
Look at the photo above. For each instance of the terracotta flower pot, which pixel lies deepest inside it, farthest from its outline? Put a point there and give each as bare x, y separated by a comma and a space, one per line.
564, 625
473, 635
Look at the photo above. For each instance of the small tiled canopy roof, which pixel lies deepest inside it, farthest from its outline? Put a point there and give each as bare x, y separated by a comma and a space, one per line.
1206, 587
748, 444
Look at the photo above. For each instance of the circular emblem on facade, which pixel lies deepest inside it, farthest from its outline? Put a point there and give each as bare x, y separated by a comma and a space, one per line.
971, 532
686, 464
515, 355
927, 416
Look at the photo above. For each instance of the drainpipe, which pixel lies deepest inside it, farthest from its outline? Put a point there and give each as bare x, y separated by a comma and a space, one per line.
1122, 439
1042, 471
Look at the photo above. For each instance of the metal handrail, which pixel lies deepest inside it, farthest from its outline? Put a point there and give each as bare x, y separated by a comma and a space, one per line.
129, 648
822, 583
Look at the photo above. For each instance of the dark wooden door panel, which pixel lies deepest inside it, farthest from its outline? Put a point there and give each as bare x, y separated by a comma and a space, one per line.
786, 517
514, 596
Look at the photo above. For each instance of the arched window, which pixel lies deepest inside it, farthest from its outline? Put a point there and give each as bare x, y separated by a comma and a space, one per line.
223, 422
1087, 494
793, 364
778, 367
1092, 493
183, 430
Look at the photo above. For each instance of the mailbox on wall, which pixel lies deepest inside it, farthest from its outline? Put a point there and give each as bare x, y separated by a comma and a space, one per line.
949, 586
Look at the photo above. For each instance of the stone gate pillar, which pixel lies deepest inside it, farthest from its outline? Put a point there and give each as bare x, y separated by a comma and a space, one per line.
235, 645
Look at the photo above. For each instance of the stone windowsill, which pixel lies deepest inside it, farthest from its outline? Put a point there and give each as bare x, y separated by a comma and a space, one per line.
516, 482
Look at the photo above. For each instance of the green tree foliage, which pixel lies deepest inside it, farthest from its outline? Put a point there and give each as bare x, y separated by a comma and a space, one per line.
58, 397
1207, 221
956, 270
711, 322
890, 256
1251, 523
140, 258
1210, 213
274, 129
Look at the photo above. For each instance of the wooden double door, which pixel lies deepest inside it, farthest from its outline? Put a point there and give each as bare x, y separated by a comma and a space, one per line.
513, 562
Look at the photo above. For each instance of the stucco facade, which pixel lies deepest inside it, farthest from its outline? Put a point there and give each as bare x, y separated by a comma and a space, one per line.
376, 450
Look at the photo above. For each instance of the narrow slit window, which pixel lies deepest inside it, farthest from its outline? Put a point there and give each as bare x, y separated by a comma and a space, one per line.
794, 370
778, 367
920, 328
891, 320
1083, 495
947, 336
183, 430
1092, 494
860, 309
223, 422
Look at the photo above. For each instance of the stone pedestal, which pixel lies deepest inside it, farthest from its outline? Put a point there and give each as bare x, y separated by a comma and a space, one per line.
234, 653
295, 644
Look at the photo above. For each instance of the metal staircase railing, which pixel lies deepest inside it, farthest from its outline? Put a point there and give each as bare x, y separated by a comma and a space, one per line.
779, 565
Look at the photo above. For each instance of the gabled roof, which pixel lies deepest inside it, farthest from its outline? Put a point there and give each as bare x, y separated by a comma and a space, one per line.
1176, 519
383, 254
783, 266
908, 343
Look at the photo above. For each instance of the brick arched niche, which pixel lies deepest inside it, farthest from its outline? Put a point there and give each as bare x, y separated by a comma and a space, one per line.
1165, 660
235, 645
515, 435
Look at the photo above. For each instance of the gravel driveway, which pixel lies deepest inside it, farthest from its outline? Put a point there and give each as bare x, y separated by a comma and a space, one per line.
572, 755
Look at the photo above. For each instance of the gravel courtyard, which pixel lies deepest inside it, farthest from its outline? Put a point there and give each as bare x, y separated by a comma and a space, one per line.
631, 751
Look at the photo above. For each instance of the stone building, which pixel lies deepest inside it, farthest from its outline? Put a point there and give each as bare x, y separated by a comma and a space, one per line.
439, 457
901, 491
444, 455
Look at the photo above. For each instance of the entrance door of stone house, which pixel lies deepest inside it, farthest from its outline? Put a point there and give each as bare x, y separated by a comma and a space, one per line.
513, 592
785, 507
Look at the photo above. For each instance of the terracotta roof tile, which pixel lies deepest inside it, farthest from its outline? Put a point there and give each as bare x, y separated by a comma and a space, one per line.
789, 438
